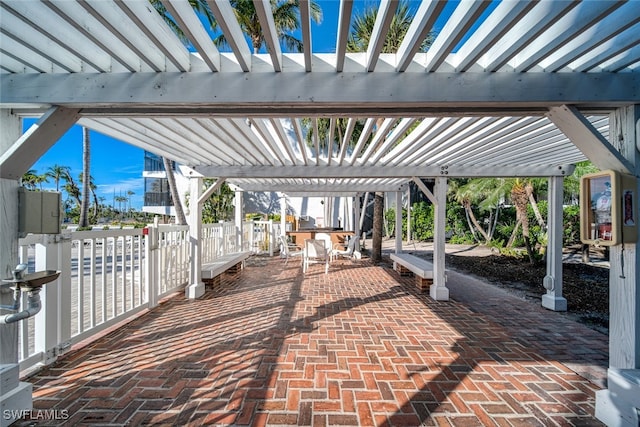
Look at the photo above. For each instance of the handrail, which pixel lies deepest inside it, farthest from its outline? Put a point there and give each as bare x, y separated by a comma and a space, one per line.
110, 275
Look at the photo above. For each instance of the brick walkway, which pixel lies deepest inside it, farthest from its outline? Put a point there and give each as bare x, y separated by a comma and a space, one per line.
359, 346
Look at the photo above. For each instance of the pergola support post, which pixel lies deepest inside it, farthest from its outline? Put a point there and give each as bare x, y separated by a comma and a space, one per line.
356, 217
439, 290
619, 404
196, 288
19, 396
238, 210
398, 222
409, 236
553, 299
283, 215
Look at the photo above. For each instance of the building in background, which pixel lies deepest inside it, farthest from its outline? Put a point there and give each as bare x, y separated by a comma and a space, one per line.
157, 195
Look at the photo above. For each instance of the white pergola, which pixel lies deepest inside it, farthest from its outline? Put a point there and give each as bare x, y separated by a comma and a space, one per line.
510, 88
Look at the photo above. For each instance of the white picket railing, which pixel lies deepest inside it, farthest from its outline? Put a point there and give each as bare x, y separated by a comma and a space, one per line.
107, 276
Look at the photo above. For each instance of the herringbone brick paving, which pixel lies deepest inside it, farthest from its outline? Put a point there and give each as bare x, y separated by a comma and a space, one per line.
358, 346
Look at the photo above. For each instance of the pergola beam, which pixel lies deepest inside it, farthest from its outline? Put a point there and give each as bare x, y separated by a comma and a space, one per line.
41, 136
318, 93
591, 142
368, 172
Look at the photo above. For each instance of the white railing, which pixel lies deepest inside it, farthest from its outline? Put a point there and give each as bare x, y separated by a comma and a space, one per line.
174, 258
107, 276
218, 240
264, 236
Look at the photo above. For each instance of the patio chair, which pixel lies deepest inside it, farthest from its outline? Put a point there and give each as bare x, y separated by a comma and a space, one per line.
315, 252
349, 252
288, 249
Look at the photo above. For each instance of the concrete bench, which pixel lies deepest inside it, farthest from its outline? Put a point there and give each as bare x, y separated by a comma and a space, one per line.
407, 265
230, 263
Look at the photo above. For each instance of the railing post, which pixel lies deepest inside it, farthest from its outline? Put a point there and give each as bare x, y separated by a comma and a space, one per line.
151, 256
272, 237
237, 206
46, 321
64, 289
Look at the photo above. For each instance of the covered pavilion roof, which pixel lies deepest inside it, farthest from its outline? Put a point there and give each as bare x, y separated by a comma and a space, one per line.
507, 88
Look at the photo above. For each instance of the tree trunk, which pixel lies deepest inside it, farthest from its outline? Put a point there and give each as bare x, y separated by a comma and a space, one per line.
376, 243
475, 223
96, 206
175, 197
534, 206
514, 233
586, 258
86, 178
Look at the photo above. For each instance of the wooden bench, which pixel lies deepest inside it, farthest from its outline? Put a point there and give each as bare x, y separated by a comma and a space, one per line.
407, 265
230, 263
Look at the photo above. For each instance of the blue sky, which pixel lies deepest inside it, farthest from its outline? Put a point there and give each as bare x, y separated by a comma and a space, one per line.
116, 167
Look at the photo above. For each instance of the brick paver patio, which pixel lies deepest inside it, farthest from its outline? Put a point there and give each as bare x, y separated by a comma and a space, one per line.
359, 346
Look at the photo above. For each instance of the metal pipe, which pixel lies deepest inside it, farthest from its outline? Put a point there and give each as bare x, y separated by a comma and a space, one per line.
33, 307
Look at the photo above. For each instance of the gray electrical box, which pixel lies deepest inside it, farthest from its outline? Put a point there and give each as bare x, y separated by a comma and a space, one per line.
39, 212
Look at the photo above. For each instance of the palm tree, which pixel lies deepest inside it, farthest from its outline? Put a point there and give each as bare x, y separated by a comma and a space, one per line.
58, 172
285, 17
86, 187
361, 31
129, 194
520, 199
121, 200
181, 219
472, 192
41, 179
29, 179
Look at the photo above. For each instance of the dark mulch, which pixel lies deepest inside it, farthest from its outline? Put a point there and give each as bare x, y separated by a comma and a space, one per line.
585, 286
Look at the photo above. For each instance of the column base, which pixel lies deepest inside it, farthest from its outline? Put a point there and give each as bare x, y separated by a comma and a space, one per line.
16, 399
439, 293
554, 303
618, 405
194, 291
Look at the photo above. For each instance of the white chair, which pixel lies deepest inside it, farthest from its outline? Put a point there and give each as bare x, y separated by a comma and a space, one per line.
315, 252
349, 252
288, 250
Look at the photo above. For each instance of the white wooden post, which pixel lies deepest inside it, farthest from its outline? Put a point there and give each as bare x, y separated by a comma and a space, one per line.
64, 290
363, 213
196, 288
398, 222
283, 215
238, 217
356, 217
19, 396
618, 404
439, 290
553, 299
152, 262
272, 237
46, 321
10, 131
409, 236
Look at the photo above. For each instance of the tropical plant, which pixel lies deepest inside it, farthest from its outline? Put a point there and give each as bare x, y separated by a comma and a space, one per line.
58, 173
571, 185
362, 30
285, 17
218, 207
120, 200
29, 179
